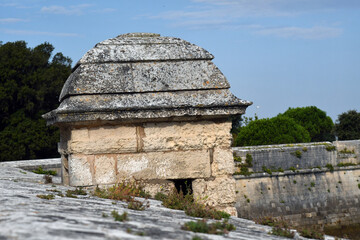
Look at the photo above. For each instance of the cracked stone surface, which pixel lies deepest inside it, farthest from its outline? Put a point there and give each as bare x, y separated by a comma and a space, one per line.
25, 216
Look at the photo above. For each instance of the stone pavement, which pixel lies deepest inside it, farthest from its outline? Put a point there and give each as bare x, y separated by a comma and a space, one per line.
25, 216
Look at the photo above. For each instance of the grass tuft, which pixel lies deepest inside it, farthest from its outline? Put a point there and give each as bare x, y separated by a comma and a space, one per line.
120, 218
47, 197
201, 226
40, 170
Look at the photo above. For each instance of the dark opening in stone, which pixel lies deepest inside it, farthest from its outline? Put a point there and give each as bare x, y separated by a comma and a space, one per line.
184, 185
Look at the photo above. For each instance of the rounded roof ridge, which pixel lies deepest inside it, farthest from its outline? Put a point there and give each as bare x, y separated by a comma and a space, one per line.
135, 47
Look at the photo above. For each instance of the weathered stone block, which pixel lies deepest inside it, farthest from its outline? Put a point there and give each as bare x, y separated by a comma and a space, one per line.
80, 173
218, 191
164, 165
222, 162
186, 135
105, 169
106, 139
155, 186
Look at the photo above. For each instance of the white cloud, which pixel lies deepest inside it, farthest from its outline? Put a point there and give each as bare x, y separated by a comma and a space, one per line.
11, 20
301, 33
258, 15
30, 32
71, 10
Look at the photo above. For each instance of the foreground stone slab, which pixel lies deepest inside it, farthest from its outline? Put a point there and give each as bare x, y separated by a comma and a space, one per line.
25, 216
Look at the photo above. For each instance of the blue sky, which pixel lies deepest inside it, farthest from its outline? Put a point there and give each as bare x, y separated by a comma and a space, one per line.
276, 53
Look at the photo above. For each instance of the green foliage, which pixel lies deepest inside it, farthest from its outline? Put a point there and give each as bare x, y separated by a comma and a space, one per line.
244, 167
202, 226
330, 167
160, 196
248, 160
120, 218
330, 148
297, 153
125, 191
267, 170
347, 126
341, 164
177, 200
314, 120
277, 130
30, 83
347, 151
280, 227
283, 232
47, 197
311, 233
40, 170
137, 205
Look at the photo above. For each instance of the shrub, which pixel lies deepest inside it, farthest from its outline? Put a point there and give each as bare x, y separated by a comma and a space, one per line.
202, 226
311, 233
177, 200
280, 227
347, 151
297, 153
284, 232
267, 170
160, 196
137, 205
125, 191
121, 218
330, 167
244, 167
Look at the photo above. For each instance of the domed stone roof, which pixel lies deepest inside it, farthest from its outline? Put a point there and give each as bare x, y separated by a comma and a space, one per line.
145, 76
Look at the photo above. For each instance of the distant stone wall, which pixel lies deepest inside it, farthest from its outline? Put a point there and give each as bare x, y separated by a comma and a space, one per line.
348, 151
304, 198
311, 193
301, 156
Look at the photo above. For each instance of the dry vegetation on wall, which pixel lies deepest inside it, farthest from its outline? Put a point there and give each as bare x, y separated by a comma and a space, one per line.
282, 228
127, 191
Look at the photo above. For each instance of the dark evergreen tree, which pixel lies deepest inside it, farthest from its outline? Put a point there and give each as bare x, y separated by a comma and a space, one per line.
276, 130
30, 83
315, 121
347, 125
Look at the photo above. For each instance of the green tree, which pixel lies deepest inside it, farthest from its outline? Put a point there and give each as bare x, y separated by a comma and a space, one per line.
347, 126
276, 130
30, 83
315, 121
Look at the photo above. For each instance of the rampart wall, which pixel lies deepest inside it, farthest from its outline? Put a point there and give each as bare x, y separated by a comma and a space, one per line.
322, 187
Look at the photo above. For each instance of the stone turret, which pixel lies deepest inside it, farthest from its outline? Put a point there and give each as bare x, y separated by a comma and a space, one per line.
141, 106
